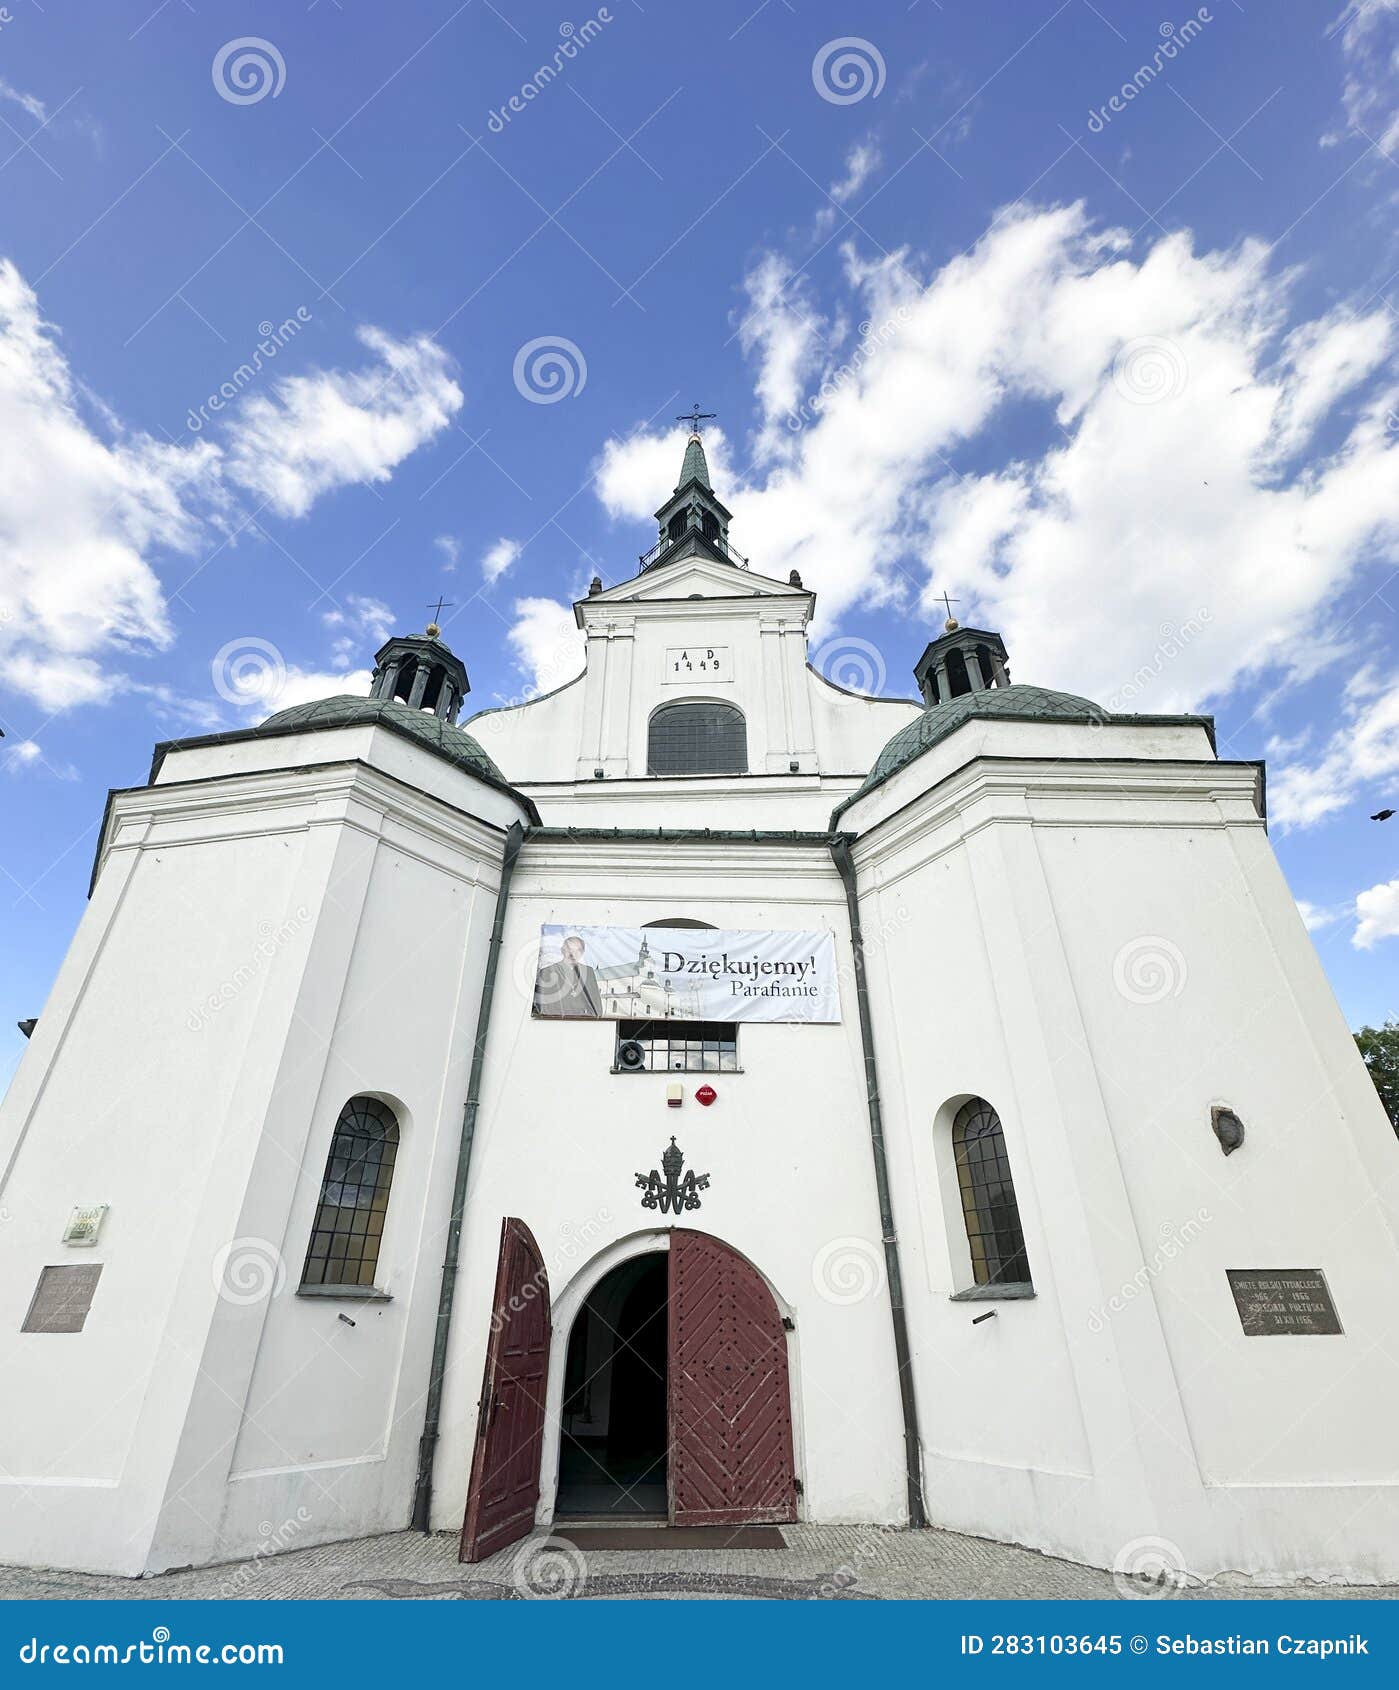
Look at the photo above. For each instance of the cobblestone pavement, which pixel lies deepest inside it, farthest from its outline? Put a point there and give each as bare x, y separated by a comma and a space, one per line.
840, 1563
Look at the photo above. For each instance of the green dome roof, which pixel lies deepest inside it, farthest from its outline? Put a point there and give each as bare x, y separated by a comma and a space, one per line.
443, 738
1019, 703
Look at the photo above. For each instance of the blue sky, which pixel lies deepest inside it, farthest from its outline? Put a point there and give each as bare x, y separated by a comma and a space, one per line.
1084, 313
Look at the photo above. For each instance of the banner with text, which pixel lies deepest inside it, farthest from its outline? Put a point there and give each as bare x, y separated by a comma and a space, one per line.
685, 974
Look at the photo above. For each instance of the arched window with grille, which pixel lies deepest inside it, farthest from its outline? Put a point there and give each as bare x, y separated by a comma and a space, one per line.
349, 1224
702, 738
988, 1196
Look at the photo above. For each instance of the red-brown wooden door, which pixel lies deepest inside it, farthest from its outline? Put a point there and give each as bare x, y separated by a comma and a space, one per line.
730, 1402
504, 1490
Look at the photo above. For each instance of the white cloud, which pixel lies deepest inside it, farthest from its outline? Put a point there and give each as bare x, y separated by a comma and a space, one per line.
1377, 911
26, 756
31, 102
334, 427
272, 691
1360, 759
548, 643
450, 547
499, 558
1170, 402
635, 476
1369, 35
1315, 916
361, 624
85, 504
77, 516
786, 332
863, 159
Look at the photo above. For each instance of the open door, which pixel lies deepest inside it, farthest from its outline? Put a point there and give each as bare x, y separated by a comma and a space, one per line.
730, 1404
504, 1490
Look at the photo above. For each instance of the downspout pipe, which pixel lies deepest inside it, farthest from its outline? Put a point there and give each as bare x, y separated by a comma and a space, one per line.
422, 1493
913, 1463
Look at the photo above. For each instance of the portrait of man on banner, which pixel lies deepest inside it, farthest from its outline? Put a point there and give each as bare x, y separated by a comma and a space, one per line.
567, 987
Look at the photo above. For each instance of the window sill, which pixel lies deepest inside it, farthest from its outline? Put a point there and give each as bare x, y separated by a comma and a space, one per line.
1010, 1293
346, 1293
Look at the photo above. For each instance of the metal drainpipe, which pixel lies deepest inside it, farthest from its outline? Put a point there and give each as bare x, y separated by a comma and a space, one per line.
840, 854
422, 1493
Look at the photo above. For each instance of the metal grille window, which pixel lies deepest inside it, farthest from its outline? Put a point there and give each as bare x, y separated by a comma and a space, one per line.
697, 739
354, 1196
988, 1196
684, 1047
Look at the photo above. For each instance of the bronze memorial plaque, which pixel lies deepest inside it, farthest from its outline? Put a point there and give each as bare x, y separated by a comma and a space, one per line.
62, 1298
1274, 1302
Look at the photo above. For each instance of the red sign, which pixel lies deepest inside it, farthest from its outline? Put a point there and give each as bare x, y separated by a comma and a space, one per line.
706, 1095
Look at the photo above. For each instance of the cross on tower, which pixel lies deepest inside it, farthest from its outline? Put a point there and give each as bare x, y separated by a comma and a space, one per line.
439, 607
951, 619
696, 416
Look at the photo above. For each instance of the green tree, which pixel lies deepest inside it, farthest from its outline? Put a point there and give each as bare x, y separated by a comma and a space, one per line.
1380, 1048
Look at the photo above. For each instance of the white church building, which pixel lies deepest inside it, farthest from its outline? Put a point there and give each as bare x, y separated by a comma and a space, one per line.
698, 1094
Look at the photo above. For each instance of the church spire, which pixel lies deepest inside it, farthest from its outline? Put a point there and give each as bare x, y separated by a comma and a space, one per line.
695, 466
692, 521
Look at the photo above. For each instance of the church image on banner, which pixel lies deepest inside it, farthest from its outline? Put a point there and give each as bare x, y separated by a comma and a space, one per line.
998, 1159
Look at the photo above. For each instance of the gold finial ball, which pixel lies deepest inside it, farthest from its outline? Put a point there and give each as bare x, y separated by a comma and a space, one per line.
952, 625
433, 630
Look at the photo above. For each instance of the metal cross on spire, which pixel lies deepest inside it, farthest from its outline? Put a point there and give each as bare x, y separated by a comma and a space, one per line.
696, 416
951, 619
437, 609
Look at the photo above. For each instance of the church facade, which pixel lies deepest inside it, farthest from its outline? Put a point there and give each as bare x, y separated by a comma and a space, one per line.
698, 1093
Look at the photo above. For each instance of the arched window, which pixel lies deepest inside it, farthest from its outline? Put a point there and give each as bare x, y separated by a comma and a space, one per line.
988, 1196
697, 739
349, 1221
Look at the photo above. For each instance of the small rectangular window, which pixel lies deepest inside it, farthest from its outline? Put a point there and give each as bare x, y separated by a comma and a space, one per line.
681, 1047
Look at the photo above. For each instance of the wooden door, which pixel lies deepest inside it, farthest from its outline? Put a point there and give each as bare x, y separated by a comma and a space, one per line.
504, 1490
730, 1406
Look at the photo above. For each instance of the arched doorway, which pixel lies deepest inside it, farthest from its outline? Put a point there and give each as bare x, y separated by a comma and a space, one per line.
612, 1438
676, 1392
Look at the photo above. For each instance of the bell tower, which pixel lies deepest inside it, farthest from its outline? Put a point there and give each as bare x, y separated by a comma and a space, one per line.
692, 521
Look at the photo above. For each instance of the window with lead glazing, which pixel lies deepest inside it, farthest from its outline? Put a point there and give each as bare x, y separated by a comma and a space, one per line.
697, 739
988, 1196
349, 1224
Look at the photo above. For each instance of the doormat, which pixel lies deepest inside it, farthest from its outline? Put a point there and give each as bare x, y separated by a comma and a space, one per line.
671, 1537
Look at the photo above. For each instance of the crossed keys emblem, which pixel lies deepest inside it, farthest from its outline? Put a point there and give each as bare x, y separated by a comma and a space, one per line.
667, 1191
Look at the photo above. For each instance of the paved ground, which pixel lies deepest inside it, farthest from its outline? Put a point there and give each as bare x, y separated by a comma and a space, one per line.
841, 1563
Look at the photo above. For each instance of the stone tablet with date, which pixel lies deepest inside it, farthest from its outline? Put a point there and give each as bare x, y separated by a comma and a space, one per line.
62, 1298
1277, 1302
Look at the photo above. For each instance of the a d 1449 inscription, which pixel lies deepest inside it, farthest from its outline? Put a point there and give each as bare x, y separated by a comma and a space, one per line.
1274, 1302
62, 1298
